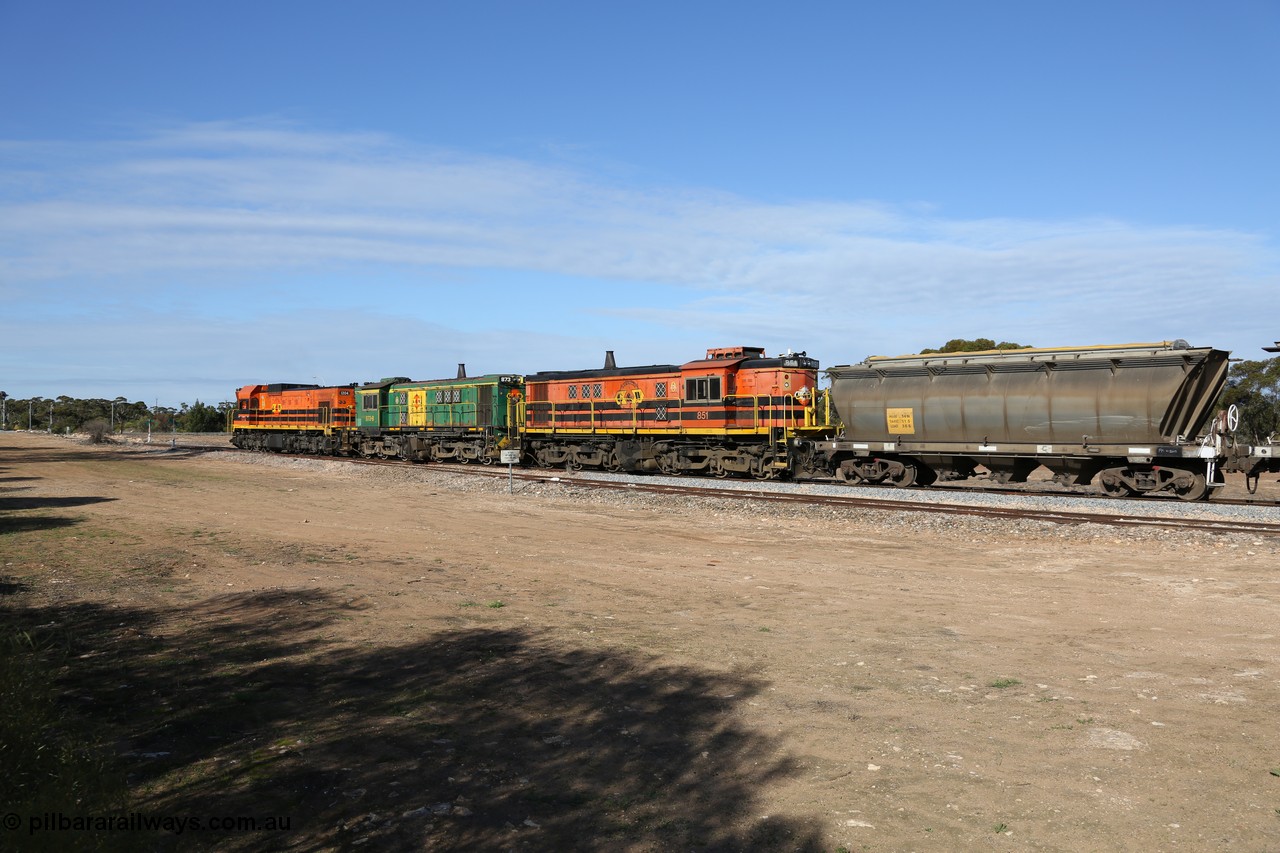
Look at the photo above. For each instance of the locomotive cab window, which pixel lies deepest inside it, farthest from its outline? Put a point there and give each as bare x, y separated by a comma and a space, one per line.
704, 388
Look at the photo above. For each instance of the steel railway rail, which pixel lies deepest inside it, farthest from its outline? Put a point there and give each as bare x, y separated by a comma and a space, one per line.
958, 488
635, 484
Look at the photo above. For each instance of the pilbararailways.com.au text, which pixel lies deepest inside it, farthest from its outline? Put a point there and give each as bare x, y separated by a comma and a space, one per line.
142, 822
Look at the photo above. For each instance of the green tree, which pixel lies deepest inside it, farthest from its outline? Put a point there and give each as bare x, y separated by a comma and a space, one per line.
975, 345
199, 417
1254, 388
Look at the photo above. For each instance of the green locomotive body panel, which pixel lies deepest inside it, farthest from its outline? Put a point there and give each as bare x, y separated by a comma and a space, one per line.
476, 404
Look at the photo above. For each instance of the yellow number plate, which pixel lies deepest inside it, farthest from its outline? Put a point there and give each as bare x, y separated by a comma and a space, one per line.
900, 421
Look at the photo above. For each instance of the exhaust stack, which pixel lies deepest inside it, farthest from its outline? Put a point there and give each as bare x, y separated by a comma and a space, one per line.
609, 363
462, 371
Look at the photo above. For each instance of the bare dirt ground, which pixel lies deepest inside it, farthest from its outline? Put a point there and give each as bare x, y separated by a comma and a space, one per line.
411, 659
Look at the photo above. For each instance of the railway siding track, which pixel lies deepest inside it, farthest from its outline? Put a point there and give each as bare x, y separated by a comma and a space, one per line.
936, 502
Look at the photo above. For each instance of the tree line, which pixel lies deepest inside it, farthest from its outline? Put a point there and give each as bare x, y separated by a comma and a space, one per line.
63, 414
1254, 388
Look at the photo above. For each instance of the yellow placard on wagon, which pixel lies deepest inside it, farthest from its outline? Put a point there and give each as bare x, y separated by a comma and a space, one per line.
900, 421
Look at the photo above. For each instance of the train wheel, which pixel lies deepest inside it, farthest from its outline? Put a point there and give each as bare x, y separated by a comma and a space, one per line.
1113, 484
902, 479
1196, 489
847, 474
613, 462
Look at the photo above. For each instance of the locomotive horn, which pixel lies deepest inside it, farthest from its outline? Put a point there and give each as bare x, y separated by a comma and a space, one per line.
462, 370
609, 363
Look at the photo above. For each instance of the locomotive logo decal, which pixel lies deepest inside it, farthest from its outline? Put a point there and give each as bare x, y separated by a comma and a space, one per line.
630, 396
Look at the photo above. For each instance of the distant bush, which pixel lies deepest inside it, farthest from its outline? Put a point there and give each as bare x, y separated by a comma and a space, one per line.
97, 430
975, 345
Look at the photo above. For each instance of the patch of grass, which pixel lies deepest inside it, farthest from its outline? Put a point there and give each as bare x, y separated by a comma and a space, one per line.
496, 604
764, 630
1084, 721
1000, 828
52, 759
1002, 683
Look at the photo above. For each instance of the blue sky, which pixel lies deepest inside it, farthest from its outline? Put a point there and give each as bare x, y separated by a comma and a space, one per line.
198, 196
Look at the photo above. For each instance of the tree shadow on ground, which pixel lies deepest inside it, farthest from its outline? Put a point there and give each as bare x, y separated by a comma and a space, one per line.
487, 739
83, 451
19, 455
11, 586
27, 523
12, 504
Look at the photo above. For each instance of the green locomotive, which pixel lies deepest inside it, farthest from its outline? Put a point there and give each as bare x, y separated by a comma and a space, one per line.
466, 419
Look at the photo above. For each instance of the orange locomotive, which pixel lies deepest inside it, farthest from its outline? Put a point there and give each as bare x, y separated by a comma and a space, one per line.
734, 412
293, 418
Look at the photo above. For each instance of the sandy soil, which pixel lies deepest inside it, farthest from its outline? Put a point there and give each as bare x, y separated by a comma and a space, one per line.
412, 659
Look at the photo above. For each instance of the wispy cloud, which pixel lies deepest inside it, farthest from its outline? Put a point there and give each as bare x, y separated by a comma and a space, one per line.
244, 201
